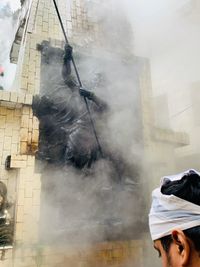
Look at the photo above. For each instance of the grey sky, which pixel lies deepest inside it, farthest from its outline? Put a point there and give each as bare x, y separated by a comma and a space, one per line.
14, 4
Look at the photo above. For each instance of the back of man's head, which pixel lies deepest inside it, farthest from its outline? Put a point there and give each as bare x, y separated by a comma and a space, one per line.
175, 219
188, 188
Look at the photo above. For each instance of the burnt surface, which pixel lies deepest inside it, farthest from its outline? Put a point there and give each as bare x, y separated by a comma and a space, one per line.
81, 189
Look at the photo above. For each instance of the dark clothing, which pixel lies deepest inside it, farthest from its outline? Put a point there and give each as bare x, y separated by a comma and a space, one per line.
65, 128
66, 135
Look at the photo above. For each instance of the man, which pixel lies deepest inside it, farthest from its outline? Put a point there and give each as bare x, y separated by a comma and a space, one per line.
66, 134
174, 220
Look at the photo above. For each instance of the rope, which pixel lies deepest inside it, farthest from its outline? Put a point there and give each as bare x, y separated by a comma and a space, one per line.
93, 127
79, 81
66, 40
180, 112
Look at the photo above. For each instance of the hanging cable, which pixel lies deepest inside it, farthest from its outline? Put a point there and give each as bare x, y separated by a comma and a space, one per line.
180, 112
79, 80
66, 40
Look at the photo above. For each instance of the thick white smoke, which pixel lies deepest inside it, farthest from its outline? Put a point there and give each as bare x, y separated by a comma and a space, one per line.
97, 205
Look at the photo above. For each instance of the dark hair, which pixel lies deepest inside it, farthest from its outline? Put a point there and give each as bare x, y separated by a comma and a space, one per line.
188, 188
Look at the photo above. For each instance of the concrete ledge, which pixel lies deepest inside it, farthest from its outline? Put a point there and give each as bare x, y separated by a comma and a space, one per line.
169, 136
15, 100
16, 161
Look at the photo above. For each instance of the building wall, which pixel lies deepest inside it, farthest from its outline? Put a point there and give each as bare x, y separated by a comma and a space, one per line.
188, 156
118, 254
18, 140
160, 144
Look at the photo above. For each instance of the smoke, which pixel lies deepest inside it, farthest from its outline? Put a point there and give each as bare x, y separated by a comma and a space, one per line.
167, 33
94, 205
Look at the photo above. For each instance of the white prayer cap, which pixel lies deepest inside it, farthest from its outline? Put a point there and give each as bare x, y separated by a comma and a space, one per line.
169, 212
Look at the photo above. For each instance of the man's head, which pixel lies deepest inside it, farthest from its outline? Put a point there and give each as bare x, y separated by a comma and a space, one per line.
175, 220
